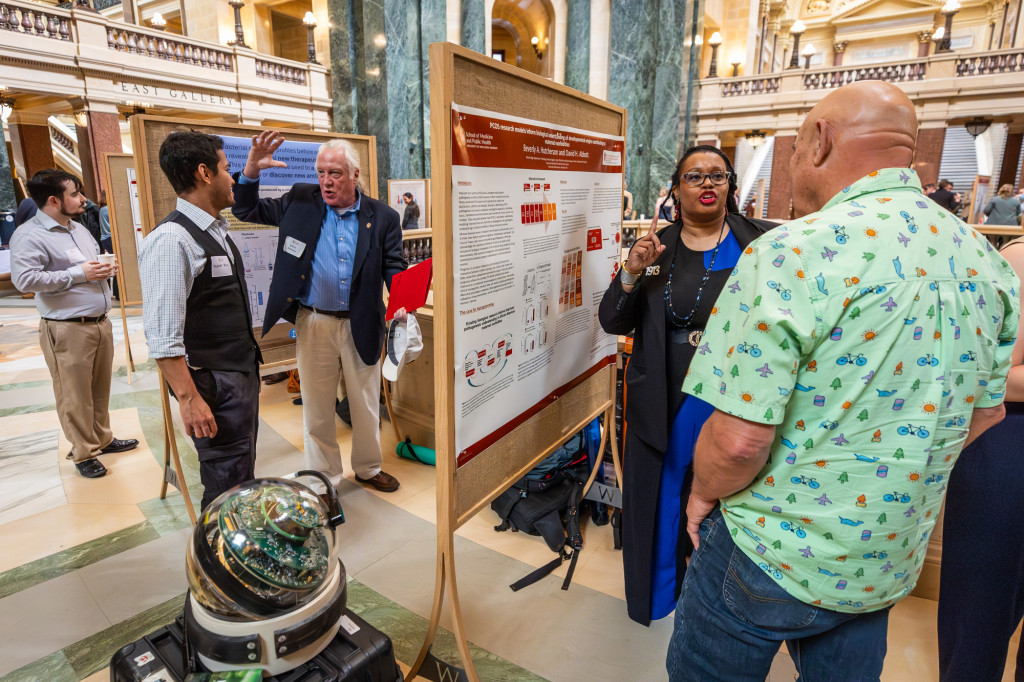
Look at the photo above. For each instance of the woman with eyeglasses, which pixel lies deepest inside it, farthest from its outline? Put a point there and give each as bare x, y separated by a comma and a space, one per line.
665, 293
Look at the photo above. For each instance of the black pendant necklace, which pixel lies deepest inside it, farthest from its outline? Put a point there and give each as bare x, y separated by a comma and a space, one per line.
684, 322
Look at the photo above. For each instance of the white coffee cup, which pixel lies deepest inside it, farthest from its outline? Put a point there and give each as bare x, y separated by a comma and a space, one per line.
107, 258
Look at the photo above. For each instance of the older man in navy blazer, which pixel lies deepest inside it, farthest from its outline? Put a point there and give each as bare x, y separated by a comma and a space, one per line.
337, 247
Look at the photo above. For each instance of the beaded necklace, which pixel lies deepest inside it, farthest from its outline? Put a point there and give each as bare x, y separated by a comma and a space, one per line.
684, 322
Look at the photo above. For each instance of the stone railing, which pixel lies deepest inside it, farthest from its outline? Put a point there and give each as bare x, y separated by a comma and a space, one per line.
898, 72
417, 245
750, 86
49, 22
280, 71
60, 135
1003, 61
156, 44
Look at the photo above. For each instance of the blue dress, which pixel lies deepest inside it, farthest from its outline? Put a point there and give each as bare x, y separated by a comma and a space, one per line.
667, 565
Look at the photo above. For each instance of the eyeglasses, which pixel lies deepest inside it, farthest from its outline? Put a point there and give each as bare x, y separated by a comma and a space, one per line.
696, 178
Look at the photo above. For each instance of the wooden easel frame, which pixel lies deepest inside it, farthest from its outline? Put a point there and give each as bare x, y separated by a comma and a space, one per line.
117, 189
455, 73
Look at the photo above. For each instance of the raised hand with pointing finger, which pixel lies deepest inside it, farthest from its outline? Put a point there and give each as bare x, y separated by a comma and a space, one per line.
644, 252
261, 154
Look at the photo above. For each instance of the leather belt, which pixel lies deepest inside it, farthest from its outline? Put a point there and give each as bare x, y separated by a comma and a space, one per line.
690, 336
78, 319
339, 314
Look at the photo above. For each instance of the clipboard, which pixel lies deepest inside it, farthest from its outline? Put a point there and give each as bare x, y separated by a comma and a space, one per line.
409, 289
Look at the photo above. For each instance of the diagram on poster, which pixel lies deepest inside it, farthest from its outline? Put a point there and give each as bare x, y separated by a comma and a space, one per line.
133, 199
258, 243
536, 214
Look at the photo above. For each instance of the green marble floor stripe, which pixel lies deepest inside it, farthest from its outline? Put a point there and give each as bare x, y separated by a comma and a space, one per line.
140, 368
52, 668
407, 631
73, 558
168, 515
15, 386
94, 653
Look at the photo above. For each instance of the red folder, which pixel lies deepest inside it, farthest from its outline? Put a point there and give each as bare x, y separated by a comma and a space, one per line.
409, 289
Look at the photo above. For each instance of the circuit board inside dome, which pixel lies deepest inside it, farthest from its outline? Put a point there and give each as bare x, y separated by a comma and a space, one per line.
262, 549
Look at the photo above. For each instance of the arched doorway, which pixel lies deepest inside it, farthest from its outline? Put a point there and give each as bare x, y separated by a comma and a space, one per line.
522, 34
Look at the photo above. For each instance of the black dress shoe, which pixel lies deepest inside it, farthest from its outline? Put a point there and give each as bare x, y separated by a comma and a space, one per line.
91, 468
120, 446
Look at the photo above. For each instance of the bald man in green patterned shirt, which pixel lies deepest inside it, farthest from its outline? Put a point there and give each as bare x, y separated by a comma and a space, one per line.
858, 349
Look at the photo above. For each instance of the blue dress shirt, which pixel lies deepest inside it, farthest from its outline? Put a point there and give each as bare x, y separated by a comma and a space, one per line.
330, 285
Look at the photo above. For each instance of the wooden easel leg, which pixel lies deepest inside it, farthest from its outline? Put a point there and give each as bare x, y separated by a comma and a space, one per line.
129, 366
435, 619
171, 446
391, 410
609, 426
457, 625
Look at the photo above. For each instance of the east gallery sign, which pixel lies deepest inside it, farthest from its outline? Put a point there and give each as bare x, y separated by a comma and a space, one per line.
177, 94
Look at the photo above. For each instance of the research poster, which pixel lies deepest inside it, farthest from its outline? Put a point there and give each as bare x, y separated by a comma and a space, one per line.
258, 243
536, 221
419, 189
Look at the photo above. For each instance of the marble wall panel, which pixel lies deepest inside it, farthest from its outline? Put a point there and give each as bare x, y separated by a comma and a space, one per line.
631, 85
780, 204
668, 87
928, 156
342, 58
577, 57
7, 198
472, 32
433, 29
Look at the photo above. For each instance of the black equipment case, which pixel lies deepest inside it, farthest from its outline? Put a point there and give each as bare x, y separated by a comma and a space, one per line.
366, 655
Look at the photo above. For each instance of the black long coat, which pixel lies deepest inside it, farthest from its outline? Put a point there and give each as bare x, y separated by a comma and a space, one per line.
647, 407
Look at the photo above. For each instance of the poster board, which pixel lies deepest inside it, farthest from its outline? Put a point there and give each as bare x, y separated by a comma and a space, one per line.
125, 231
979, 197
469, 93
420, 190
157, 199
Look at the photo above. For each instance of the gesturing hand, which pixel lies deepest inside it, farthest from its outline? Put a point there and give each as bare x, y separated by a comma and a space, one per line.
645, 251
261, 154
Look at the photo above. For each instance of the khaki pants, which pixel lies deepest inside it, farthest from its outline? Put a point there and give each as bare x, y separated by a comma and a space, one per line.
80, 356
326, 353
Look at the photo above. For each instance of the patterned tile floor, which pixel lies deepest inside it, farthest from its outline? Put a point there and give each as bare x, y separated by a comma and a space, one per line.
89, 565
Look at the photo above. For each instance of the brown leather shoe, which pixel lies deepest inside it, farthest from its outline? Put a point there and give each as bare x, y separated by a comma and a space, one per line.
384, 482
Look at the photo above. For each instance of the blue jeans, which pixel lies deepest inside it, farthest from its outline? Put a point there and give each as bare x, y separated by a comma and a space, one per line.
732, 617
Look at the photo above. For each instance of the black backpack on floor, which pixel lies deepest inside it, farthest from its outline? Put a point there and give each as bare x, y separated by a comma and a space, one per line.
537, 503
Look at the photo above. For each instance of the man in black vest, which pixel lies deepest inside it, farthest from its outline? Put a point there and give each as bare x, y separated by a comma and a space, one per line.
196, 313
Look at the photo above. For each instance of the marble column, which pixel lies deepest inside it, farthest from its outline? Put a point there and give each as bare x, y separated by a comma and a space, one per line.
102, 133
672, 96
433, 29
577, 53
780, 196
928, 157
8, 202
838, 50
730, 151
343, 62
473, 29
1008, 172
30, 140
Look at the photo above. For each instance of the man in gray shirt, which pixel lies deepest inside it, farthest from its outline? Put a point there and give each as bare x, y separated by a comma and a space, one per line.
57, 259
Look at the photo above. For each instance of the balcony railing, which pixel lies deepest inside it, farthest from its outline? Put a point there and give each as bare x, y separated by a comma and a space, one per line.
750, 86
1005, 61
151, 43
897, 72
417, 245
32, 19
280, 71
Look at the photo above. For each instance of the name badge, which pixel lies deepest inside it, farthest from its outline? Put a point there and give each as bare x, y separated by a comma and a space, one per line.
220, 266
75, 256
293, 246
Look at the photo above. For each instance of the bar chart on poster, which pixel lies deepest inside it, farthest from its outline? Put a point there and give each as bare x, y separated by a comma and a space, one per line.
536, 211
